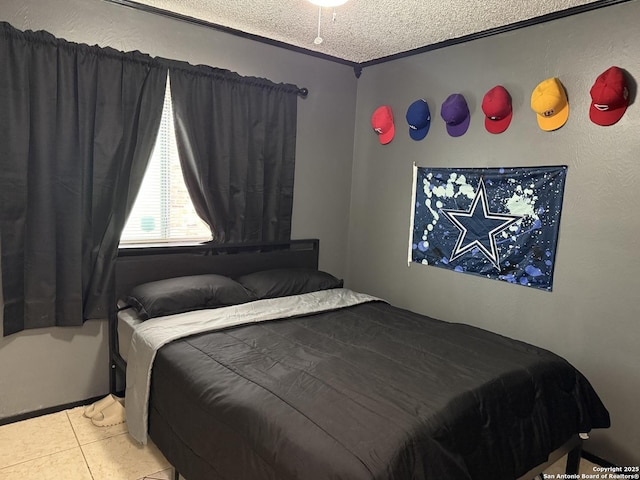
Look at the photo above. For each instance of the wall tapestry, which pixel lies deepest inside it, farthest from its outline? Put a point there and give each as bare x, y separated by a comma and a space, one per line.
499, 223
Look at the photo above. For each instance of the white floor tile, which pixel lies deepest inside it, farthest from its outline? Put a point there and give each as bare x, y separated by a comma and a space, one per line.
164, 475
67, 465
122, 458
35, 438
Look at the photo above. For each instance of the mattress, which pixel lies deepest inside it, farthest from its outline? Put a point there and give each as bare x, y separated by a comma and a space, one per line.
128, 320
365, 392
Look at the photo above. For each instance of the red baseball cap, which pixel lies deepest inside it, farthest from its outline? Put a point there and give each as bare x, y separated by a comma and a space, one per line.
382, 123
609, 97
496, 106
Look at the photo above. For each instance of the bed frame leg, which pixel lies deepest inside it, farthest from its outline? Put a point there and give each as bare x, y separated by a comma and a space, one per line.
112, 377
176, 474
573, 460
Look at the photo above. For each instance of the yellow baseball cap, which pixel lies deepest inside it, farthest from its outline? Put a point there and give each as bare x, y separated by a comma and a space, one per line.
549, 101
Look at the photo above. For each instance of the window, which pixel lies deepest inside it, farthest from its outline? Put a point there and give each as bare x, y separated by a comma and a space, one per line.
163, 211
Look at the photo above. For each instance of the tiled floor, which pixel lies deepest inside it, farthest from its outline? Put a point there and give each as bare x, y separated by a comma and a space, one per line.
66, 445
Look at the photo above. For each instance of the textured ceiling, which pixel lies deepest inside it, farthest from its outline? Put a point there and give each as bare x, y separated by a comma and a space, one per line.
363, 30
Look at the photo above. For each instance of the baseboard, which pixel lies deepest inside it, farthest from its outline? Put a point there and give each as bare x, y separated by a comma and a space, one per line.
47, 411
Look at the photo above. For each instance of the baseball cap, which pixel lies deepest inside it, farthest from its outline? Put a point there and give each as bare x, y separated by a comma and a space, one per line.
549, 101
496, 106
455, 113
382, 123
609, 97
419, 119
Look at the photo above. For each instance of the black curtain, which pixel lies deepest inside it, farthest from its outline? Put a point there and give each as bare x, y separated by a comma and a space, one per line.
236, 139
78, 125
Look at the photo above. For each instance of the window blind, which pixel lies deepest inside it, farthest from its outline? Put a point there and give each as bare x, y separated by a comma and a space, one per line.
163, 211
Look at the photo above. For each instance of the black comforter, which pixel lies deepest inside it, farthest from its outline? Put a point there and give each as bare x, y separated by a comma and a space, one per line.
366, 392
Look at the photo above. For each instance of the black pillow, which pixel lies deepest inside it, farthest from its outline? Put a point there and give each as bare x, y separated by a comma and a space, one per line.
288, 281
182, 294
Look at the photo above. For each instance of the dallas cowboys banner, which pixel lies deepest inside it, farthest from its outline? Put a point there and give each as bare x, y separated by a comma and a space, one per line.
499, 223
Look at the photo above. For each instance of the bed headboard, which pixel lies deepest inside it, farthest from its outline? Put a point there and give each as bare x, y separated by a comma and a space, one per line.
140, 265
136, 265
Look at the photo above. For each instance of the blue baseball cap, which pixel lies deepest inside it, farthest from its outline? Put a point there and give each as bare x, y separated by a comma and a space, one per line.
419, 119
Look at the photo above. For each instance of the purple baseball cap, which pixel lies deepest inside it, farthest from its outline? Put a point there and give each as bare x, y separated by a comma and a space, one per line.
456, 115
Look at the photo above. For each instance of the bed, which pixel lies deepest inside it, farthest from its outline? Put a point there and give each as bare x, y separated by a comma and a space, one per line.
305, 379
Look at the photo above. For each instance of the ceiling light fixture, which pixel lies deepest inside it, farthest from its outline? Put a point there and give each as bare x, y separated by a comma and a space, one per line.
325, 3
328, 3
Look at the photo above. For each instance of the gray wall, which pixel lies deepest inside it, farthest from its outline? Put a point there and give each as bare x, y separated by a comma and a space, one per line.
49, 367
592, 315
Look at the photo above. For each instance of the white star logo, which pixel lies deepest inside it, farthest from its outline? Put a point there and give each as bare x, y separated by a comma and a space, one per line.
479, 227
